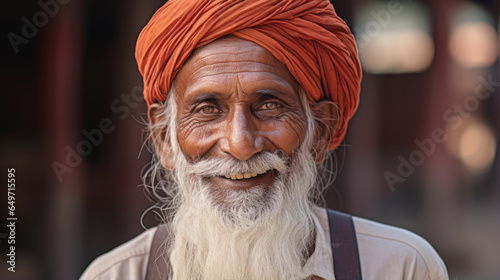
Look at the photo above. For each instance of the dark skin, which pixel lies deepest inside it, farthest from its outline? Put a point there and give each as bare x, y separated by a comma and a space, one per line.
236, 100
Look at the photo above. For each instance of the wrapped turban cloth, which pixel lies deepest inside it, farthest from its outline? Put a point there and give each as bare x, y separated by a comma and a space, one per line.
306, 35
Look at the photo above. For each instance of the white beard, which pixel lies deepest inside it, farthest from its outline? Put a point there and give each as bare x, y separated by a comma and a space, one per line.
257, 233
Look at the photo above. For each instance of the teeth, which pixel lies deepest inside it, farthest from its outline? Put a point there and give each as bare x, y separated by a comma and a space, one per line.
243, 175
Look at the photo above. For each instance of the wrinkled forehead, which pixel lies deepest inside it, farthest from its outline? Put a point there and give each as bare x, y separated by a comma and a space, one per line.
234, 46
219, 62
235, 55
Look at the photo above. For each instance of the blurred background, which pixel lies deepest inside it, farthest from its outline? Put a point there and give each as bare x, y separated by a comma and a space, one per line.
421, 152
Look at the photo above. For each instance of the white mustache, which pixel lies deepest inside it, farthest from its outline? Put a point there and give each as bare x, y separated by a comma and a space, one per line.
259, 163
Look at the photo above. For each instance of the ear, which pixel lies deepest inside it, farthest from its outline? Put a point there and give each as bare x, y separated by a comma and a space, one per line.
326, 117
161, 142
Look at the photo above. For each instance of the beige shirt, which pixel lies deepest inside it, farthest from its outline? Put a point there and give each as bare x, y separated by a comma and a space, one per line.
385, 252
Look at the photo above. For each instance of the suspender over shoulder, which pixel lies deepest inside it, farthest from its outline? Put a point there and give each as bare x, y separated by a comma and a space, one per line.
344, 244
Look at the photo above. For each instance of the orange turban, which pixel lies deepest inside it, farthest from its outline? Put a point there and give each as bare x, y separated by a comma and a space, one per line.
306, 35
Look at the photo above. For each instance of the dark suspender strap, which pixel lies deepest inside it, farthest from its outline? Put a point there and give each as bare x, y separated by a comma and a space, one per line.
157, 263
344, 246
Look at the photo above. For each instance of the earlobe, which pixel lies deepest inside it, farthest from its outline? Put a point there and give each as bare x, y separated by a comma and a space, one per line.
326, 117
160, 140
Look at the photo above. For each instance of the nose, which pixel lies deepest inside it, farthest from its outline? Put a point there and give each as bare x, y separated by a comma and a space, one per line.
242, 139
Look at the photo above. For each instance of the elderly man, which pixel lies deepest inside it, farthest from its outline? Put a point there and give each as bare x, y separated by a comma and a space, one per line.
245, 99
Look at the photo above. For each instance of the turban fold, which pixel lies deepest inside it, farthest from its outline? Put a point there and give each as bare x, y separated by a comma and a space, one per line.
306, 35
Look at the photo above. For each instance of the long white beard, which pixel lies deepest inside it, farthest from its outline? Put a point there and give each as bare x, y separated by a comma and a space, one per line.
257, 233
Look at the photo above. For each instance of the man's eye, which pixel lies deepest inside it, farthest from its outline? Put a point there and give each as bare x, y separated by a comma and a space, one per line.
209, 110
269, 106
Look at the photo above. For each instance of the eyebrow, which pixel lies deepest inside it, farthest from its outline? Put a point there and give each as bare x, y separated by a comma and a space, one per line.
214, 95
203, 97
269, 91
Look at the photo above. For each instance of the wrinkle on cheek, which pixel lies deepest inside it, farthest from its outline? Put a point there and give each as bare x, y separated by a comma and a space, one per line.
195, 138
297, 122
185, 130
185, 127
288, 132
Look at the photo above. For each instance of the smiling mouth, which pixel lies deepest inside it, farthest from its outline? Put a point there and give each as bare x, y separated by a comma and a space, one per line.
242, 176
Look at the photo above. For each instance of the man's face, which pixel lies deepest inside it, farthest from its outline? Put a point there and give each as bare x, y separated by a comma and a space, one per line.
241, 153
235, 100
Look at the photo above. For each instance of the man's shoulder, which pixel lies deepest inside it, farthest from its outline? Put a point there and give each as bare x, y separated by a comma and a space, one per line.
127, 261
388, 250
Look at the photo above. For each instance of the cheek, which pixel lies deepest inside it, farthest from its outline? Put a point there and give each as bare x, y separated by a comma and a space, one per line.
194, 139
288, 133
